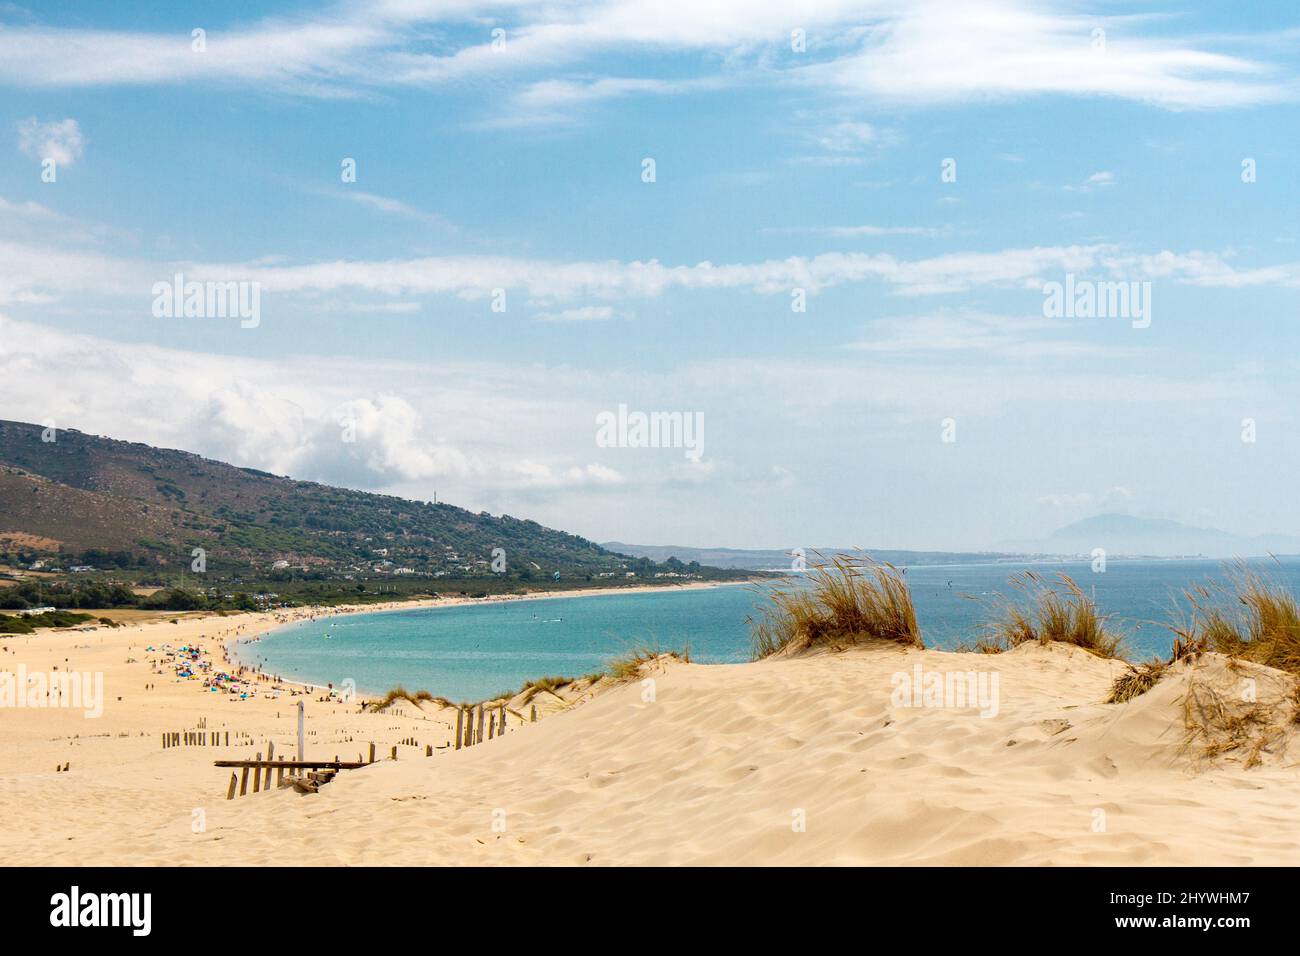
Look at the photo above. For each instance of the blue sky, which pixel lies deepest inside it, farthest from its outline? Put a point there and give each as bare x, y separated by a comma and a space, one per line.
1113, 155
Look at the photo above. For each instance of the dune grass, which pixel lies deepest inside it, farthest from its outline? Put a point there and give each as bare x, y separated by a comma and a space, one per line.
843, 602
401, 693
1253, 619
1249, 619
1136, 680
1049, 613
627, 666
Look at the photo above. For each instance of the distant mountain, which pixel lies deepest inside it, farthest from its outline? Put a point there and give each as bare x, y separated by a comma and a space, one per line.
108, 503
1128, 535
775, 559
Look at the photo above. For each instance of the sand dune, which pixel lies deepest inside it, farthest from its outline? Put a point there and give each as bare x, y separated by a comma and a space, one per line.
703, 764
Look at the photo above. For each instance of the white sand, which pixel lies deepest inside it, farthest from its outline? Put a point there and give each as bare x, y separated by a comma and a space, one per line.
714, 770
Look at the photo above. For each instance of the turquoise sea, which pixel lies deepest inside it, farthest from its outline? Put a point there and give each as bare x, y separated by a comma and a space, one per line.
472, 651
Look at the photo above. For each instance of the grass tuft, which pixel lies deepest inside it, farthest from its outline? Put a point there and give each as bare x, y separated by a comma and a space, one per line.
1050, 613
401, 693
1252, 619
627, 666
1136, 681
841, 603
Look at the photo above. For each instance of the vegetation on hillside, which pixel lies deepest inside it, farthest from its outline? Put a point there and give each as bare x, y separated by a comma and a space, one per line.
27, 623
114, 506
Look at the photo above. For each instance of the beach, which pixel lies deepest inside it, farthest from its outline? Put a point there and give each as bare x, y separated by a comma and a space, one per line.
818, 758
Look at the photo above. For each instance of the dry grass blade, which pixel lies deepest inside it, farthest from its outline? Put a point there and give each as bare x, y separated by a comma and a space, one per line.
1135, 681
1050, 613
1223, 725
627, 665
842, 602
1265, 627
401, 693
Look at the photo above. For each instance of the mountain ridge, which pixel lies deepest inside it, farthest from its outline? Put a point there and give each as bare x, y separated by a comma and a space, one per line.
1134, 536
1120, 535
131, 504
775, 559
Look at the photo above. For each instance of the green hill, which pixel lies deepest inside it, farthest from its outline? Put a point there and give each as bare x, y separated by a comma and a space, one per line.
83, 499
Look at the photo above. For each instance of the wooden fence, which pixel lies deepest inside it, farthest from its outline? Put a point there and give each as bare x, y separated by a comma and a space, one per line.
470, 723
318, 772
201, 738
474, 725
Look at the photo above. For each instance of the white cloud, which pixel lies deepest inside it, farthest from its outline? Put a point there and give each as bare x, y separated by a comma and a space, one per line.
1070, 501
847, 137
1098, 180
342, 421
860, 232
586, 313
537, 474
981, 49
560, 102
892, 51
519, 436
999, 336
27, 270
59, 140
394, 207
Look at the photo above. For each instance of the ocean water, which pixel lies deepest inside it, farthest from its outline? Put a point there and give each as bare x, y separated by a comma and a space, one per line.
470, 652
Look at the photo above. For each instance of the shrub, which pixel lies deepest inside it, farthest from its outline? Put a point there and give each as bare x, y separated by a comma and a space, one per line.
844, 602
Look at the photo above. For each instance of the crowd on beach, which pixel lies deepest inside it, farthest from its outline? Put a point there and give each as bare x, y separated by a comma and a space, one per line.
239, 681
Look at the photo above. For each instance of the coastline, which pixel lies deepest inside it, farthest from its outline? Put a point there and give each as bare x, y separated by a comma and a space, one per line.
314, 612
710, 766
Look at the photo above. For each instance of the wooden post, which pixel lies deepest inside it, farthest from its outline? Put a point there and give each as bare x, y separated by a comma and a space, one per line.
243, 782
164, 739
279, 774
533, 716
460, 725
270, 755
257, 774
428, 750
227, 738
372, 752
501, 723
479, 740
394, 751
301, 733
492, 725
230, 794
